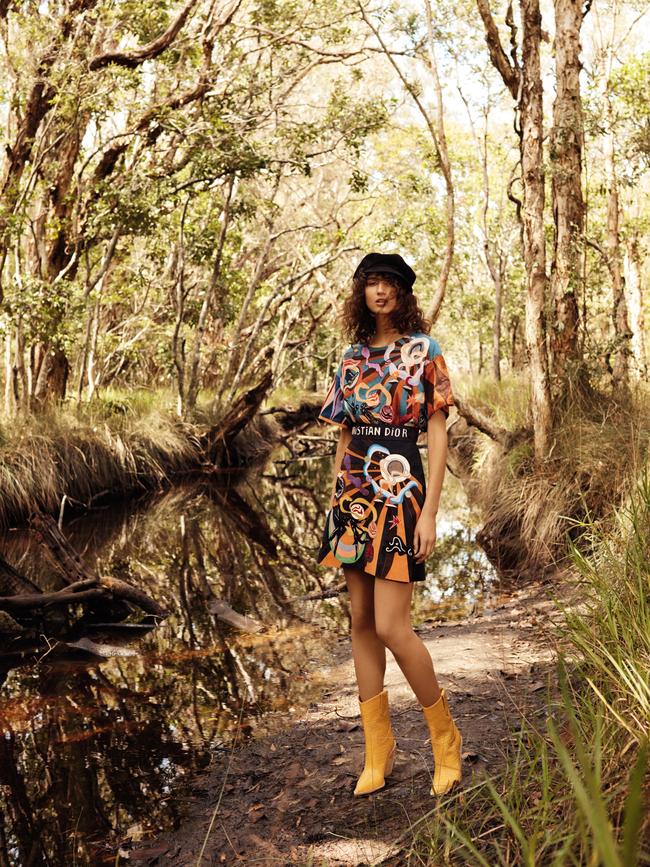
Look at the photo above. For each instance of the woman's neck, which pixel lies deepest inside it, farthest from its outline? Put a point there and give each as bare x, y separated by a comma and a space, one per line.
385, 331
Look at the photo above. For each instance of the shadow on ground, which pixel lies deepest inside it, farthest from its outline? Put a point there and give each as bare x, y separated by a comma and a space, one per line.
288, 798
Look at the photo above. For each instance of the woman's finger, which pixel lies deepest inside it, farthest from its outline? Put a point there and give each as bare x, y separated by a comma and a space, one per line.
426, 549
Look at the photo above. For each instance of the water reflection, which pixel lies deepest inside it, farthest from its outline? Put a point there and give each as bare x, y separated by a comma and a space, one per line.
100, 727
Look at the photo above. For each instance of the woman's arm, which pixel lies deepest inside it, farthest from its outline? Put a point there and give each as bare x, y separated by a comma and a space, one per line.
344, 438
424, 537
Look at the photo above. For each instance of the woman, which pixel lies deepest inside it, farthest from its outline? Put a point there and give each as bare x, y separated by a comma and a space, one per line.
391, 385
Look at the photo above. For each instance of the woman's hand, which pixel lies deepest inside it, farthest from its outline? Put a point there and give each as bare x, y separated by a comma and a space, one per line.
424, 537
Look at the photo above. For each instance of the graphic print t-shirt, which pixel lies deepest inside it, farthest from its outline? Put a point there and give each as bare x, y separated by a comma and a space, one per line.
402, 383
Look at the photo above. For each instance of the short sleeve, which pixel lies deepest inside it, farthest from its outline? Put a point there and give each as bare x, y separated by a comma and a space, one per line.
438, 393
333, 409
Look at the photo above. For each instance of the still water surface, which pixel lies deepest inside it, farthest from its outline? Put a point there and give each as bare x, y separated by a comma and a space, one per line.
101, 730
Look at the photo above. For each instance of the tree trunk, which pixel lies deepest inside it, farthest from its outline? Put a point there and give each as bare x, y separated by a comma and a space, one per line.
532, 169
440, 142
52, 377
525, 85
514, 347
61, 256
193, 372
9, 395
567, 137
634, 301
494, 263
235, 354
496, 329
20, 374
40, 101
622, 334
92, 349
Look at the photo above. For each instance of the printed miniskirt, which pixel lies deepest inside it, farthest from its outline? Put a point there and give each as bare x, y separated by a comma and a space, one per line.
380, 490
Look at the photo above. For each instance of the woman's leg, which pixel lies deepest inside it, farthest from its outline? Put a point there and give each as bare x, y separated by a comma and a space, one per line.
393, 628
368, 652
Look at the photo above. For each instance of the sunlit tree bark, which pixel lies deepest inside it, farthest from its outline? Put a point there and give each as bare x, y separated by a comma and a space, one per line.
525, 85
566, 146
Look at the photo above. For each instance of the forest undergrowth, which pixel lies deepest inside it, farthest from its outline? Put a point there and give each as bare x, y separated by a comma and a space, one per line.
73, 457
575, 790
600, 445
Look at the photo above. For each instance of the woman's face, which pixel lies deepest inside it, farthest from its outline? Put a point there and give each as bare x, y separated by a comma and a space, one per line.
381, 297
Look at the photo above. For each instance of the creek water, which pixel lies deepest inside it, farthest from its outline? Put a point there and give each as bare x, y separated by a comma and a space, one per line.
104, 728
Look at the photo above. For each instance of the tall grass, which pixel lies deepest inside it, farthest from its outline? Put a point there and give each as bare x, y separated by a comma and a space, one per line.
576, 789
113, 447
600, 442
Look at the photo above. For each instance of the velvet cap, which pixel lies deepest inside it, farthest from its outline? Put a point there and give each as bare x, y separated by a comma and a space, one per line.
389, 263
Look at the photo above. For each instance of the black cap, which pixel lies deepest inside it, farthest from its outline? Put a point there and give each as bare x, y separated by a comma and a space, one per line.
390, 263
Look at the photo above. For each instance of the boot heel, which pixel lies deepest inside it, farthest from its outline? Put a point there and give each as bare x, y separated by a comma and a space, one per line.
391, 761
446, 745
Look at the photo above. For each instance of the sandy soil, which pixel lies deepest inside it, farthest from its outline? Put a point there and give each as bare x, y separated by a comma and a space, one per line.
288, 798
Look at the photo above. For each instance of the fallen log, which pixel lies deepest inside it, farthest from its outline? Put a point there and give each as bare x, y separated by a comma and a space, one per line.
8, 626
478, 419
11, 580
84, 587
224, 612
104, 651
214, 442
328, 593
307, 413
86, 590
290, 420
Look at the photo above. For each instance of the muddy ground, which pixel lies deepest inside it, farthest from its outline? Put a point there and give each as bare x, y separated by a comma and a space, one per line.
287, 798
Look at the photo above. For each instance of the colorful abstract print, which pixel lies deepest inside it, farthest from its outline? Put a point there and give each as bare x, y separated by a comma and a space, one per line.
385, 395
403, 383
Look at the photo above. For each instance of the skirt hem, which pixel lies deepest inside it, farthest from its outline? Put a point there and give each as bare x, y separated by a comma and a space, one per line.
341, 564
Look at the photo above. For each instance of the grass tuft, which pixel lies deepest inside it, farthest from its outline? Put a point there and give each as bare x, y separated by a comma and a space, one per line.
598, 450
576, 787
86, 454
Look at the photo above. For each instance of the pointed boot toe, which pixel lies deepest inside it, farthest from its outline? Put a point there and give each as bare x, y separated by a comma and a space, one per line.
380, 744
446, 745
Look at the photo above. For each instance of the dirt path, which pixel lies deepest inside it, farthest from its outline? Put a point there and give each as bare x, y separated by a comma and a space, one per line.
289, 797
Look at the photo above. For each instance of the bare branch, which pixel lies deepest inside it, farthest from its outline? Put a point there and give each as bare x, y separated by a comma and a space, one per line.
509, 73
487, 425
132, 59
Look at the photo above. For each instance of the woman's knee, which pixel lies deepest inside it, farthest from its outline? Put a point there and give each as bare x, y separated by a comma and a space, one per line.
363, 620
394, 637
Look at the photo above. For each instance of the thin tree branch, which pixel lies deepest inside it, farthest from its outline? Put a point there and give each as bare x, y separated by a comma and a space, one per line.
132, 59
508, 72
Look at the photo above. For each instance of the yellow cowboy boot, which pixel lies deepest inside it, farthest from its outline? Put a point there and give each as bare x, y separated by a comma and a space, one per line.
446, 745
380, 744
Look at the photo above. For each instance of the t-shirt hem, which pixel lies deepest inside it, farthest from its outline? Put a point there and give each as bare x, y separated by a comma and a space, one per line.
445, 407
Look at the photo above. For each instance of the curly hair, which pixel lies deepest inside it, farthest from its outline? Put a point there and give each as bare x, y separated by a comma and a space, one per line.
359, 323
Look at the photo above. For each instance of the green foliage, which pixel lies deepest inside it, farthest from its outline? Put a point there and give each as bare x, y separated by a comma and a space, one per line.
630, 84
297, 107
145, 21
40, 311
358, 181
270, 13
355, 118
575, 787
